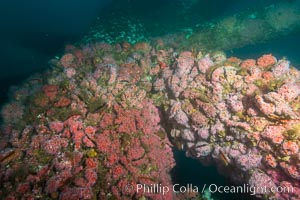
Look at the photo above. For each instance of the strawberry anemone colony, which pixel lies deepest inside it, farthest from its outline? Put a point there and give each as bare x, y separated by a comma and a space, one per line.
103, 119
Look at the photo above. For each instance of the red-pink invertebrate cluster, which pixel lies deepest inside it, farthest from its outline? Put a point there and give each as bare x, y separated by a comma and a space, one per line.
102, 118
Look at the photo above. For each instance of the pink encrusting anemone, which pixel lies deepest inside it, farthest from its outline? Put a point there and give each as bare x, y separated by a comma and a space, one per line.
229, 114
105, 118
87, 131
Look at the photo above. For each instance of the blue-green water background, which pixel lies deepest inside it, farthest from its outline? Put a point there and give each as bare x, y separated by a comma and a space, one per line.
33, 32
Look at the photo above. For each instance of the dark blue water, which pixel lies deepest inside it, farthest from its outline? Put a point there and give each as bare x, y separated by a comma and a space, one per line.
34, 31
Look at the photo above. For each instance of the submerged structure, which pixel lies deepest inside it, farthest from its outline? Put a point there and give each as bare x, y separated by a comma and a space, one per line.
98, 122
105, 117
235, 30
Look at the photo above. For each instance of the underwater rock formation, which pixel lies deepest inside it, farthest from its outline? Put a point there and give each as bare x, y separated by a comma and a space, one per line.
88, 130
234, 30
242, 116
248, 27
96, 124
